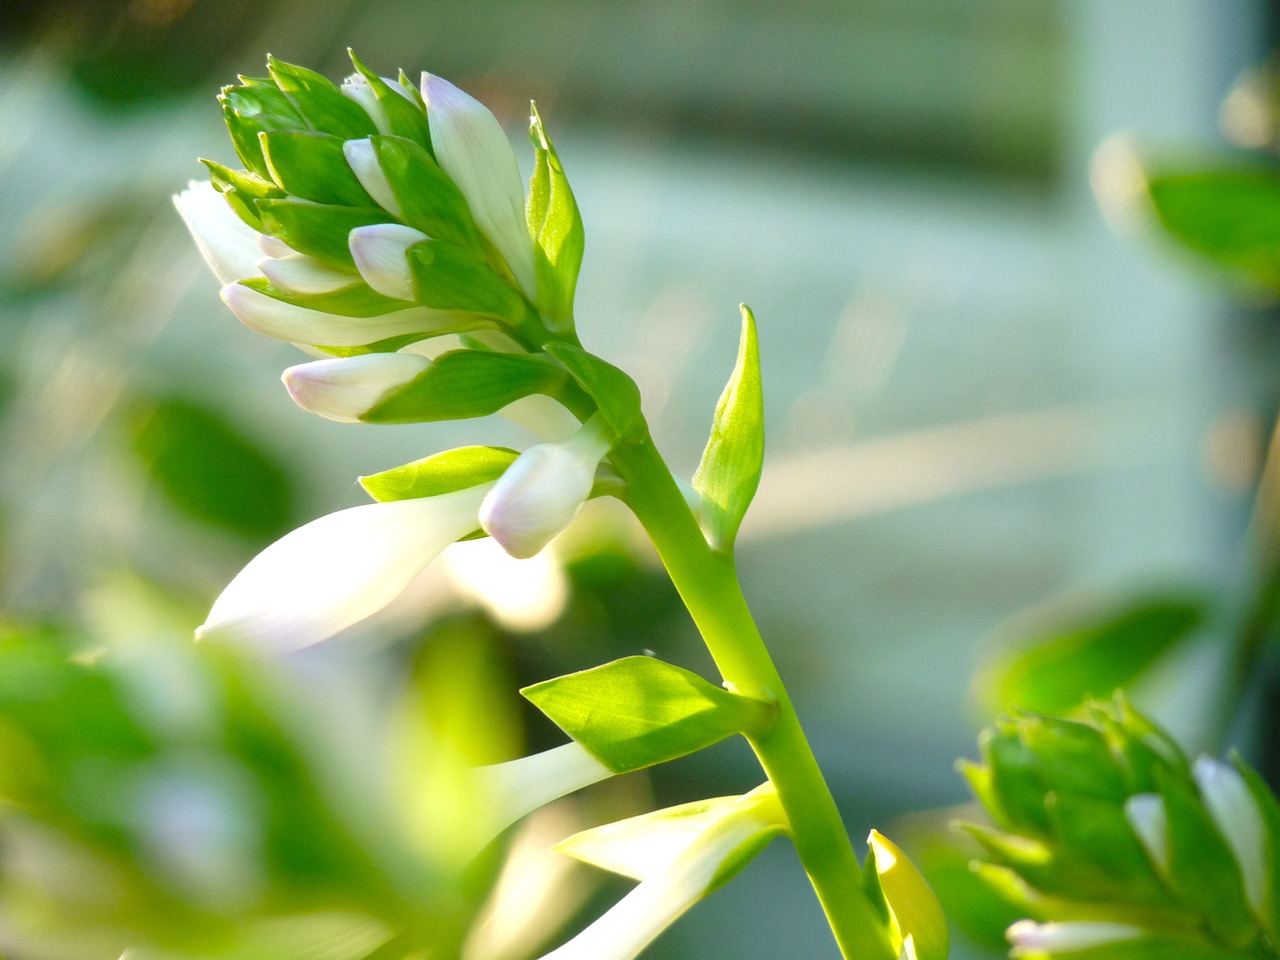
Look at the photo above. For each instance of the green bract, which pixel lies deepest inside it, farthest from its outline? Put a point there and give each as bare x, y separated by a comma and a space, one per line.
1105, 829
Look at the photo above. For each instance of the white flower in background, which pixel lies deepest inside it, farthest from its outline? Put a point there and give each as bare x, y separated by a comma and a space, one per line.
1239, 820
229, 245
518, 787
543, 490
1039, 939
337, 570
380, 253
346, 388
473, 150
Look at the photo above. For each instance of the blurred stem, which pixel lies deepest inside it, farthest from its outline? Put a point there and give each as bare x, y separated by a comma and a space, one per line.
708, 584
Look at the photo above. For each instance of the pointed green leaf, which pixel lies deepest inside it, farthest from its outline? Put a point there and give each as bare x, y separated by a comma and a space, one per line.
914, 905
1091, 659
639, 711
556, 228
446, 277
429, 200
729, 473
407, 119
440, 473
320, 102
356, 300
242, 189
615, 394
1270, 810
319, 230
312, 166
254, 107
467, 383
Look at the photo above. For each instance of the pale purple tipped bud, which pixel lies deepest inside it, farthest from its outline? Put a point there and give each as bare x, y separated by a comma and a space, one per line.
1029, 937
379, 252
363, 161
1236, 814
274, 247
473, 150
361, 91
542, 491
229, 246
1146, 814
346, 388
301, 274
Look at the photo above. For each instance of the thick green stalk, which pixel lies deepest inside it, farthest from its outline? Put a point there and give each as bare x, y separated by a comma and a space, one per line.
707, 582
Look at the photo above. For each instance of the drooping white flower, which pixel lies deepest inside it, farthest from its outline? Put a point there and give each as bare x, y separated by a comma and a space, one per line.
363, 162
229, 245
1037, 939
287, 321
543, 490
473, 150
663, 897
380, 255
337, 570
518, 787
1238, 818
346, 388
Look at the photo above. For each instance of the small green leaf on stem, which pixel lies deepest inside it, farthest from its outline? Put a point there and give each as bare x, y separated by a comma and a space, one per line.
439, 473
640, 711
615, 394
729, 473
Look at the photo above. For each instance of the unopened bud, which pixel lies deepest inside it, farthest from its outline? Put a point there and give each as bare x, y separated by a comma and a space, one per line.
345, 388
363, 161
380, 255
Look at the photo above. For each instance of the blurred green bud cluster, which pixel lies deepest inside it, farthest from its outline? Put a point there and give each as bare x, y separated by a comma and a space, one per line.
1115, 845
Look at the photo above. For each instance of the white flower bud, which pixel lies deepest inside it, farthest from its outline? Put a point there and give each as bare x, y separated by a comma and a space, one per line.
274, 246
361, 91
337, 570
380, 255
1146, 814
543, 490
473, 150
1029, 937
1239, 820
364, 164
346, 388
229, 245
286, 321
298, 273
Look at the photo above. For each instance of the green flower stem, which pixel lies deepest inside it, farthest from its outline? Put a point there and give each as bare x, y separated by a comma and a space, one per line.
707, 582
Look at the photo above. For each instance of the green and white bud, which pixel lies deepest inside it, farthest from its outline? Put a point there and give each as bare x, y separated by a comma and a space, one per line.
380, 253
1146, 814
1238, 819
300, 274
345, 388
336, 571
473, 150
1031, 939
542, 491
363, 161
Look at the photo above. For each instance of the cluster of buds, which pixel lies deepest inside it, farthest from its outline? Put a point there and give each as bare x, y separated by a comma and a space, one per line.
1116, 846
384, 228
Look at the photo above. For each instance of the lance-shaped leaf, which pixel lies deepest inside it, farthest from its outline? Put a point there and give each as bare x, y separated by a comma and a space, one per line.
917, 918
729, 473
615, 394
312, 166
253, 107
320, 102
317, 229
447, 277
467, 383
399, 112
640, 711
556, 228
242, 189
354, 299
428, 200
1270, 810
439, 473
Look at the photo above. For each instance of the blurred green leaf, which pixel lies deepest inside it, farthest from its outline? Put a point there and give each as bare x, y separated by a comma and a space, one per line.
729, 473
1055, 674
639, 711
209, 469
1230, 216
439, 473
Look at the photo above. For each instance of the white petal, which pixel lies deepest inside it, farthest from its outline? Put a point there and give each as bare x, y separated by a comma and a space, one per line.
285, 321
1236, 814
1030, 937
473, 150
274, 246
361, 91
518, 787
337, 570
345, 388
637, 919
364, 164
229, 245
298, 273
380, 255
1146, 814
543, 416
